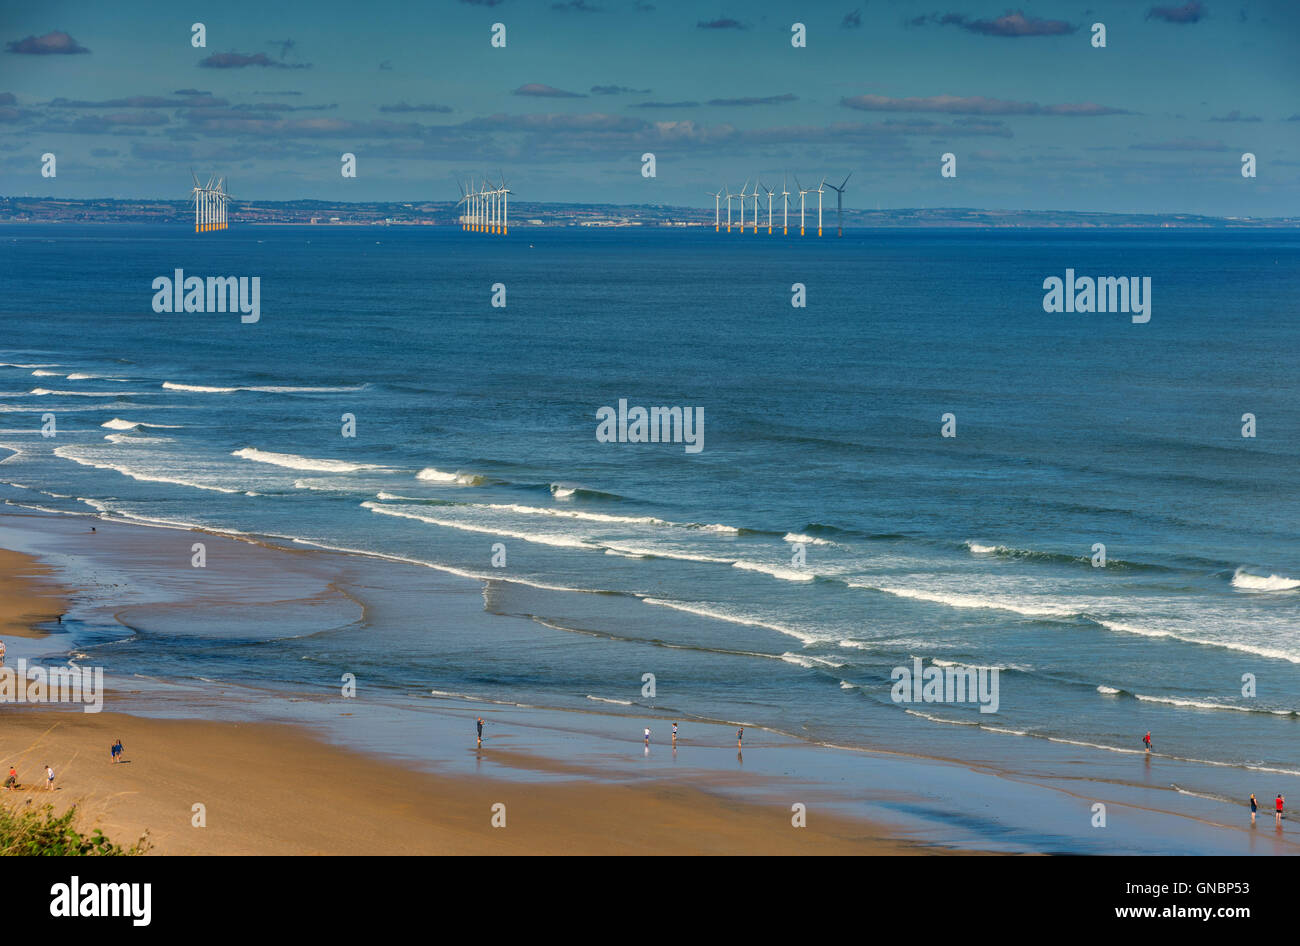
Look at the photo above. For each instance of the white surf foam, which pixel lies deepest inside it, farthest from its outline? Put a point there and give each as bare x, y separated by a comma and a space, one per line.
137, 474
260, 388
1245, 581
118, 424
733, 618
776, 571
968, 601
431, 475
128, 438
1228, 644
45, 392
810, 662
539, 538
806, 539
294, 462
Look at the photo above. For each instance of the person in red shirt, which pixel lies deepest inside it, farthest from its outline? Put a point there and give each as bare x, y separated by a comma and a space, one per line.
1277, 814
1146, 740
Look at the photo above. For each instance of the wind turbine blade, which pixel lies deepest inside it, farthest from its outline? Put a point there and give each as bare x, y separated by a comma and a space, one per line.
846, 180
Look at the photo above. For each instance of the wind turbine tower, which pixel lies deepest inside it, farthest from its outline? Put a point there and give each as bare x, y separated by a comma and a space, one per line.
785, 208
505, 206
821, 189
717, 210
802, 191
839, 201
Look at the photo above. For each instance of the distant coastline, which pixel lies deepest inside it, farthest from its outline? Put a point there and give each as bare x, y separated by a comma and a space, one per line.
525, 215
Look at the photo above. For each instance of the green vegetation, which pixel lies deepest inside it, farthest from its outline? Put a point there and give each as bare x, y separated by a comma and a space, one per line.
30, 831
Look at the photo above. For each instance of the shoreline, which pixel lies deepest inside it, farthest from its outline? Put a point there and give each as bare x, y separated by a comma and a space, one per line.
29, 596
273, 788
892, 796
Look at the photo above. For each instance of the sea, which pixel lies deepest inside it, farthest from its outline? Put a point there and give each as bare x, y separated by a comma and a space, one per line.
919, 463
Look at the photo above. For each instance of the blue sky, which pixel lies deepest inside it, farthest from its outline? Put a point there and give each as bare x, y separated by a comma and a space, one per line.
1038, 118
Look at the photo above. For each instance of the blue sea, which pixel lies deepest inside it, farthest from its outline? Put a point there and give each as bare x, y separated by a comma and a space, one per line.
475, 436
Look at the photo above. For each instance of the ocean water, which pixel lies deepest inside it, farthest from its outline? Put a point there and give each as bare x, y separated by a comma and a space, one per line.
475, 425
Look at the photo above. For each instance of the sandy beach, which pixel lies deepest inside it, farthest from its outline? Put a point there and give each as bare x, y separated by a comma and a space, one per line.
275, 789
28, 595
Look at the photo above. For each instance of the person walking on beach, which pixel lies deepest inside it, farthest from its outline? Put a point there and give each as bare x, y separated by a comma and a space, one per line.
740, 736
647, 737
12, 781
1277, 809
1146, 740
1254, 807
674, 734
480, 732
49, 784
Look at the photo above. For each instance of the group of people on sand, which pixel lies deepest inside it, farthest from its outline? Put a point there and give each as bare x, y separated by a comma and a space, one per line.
478, 723
740, 736
1278, 804
11, 783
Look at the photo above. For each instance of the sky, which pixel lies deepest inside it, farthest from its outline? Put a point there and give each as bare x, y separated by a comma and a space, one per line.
1037, 117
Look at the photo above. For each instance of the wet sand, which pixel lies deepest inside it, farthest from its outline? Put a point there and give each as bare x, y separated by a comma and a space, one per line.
29, 596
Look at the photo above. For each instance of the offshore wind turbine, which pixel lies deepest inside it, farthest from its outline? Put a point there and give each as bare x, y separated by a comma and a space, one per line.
821, 189
742, 196
839, 201
491, 205
757, 185
802, 191
785, 208
717, 210
505, 205
197, 191
769, 209
221, 203
730, 198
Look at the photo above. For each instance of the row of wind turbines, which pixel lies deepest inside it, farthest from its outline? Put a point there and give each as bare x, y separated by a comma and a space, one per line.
486, 209
210, 203
760, 188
